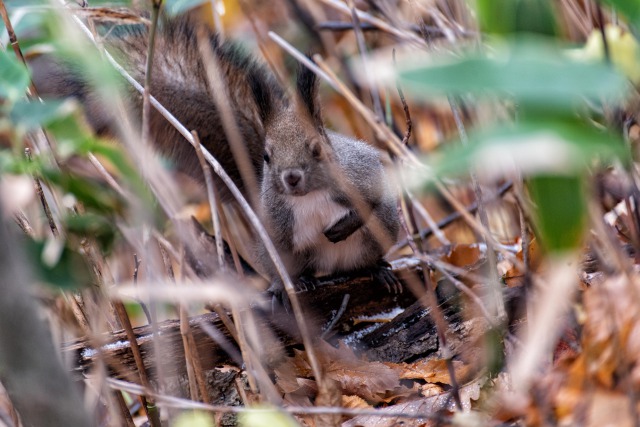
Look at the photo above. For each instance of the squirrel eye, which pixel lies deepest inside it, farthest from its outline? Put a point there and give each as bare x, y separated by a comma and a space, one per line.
266, 157
316, 152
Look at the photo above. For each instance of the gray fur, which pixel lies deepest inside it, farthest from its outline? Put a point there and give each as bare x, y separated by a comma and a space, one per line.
345, 164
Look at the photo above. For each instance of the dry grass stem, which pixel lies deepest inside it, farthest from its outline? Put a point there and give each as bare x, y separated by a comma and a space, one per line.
213, 201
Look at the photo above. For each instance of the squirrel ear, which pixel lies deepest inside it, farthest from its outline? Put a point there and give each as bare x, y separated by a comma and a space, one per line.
307, 85
261, 94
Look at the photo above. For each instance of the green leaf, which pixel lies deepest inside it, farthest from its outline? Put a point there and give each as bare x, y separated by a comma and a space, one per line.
14, 77
19, 164
93, 225
92, 194
30, 115
61, 267
516, 16
533, 147
629, 8
73, 137
177, 7
530, 73
561, 210
115, 155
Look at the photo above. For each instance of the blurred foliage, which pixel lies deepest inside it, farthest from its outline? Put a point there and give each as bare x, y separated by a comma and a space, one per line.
531, 72
57, 263
623, 48
14, 77
558, 96
194, 419
100, 205
561, 209
551, 142
506, 17
629, 8
177, 7
261, 418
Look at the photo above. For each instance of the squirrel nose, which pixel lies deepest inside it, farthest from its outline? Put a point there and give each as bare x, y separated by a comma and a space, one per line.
292, 178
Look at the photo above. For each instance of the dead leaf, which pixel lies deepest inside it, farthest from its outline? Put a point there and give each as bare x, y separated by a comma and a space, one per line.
369, 380
328, 395
431, 370
354, 402
609, 410
464, 255
429, 406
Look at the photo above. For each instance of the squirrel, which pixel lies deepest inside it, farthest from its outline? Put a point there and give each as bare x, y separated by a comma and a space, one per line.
324, 198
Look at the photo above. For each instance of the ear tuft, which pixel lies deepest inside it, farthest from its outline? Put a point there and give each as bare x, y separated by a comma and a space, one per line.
307, 85
261, 94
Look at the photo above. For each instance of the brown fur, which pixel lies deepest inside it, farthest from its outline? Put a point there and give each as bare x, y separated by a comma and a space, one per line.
179, 83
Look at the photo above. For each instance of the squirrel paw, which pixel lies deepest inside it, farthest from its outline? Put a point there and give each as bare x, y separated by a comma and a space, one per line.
382, 274
279, 298
306, 283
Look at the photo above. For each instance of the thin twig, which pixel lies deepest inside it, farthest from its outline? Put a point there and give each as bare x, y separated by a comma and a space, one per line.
23, 223
337, 316
213, 201
363, 16
223, 102
14, 43
123, 317
383, 133
405, 107
192, 356
436, 315
124, 409
603, 33
43, 201
105, 174
348, 26
152, 413
441, 327
177, 402
462, 288
375, 96
230, 239
146, 108
475, 225
497, 302
136, 266
436, 228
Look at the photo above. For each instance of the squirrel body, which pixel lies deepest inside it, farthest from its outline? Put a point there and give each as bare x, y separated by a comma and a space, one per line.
324, 198
327, 234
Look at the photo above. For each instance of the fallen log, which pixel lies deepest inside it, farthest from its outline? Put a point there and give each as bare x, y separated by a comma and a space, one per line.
365, 298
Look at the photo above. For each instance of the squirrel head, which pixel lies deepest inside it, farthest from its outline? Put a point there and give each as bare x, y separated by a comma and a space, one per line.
298, 155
